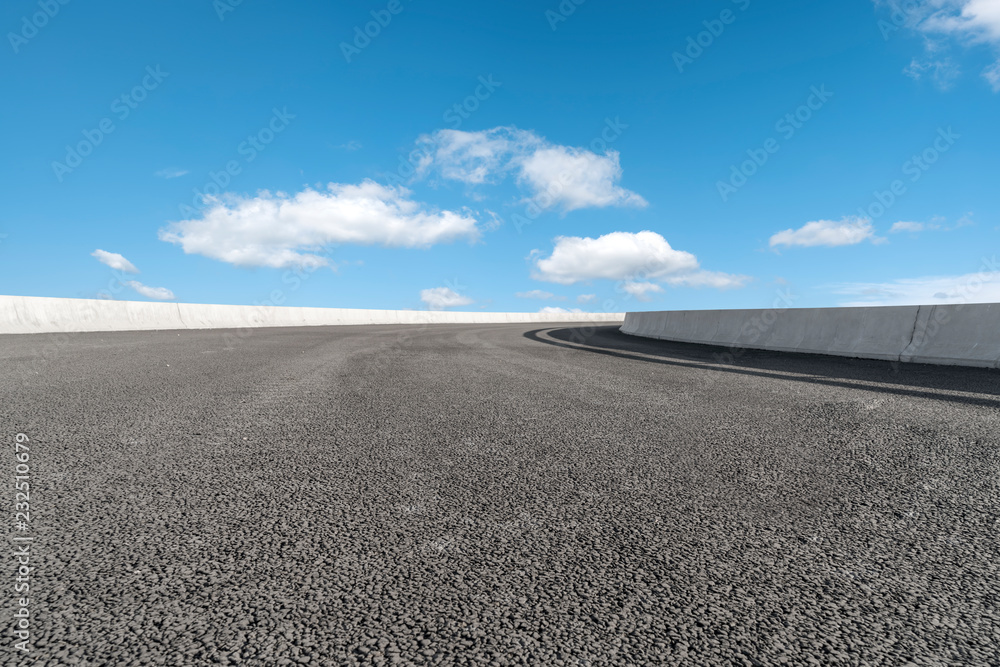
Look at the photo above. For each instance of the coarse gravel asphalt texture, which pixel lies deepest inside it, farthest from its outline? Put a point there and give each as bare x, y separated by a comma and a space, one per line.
497, 495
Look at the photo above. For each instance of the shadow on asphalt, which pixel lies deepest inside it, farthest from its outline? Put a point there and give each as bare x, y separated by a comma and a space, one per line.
919, 380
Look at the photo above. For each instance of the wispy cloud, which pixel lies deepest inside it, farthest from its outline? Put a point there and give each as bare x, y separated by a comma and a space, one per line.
641, 290
907, 227
945, 23
119, 263
849, 231
942, 71
439, 298
992, 76
979, 287
114, 260
158, 293
539, 294
556, 310
971, 20
171, 173
935, 225
714, 279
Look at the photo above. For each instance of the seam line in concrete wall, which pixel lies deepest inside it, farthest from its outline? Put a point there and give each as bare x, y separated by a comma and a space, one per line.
18, 317
180, 315
913, 332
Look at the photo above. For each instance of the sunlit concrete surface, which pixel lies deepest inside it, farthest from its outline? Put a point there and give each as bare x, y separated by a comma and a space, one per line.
32, 314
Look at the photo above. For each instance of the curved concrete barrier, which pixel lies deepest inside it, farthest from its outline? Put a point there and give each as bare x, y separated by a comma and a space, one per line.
961, 334
25, 314
967, 335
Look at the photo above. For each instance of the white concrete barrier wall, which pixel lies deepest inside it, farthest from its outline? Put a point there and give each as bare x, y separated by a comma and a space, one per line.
25, 314
960, 334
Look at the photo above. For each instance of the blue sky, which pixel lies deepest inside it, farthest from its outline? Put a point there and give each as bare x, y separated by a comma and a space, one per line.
502, 156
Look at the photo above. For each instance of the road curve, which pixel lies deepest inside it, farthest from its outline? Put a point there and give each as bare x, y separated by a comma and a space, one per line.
498, 495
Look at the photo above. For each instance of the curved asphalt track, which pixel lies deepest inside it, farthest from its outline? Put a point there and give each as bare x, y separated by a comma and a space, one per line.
499, 494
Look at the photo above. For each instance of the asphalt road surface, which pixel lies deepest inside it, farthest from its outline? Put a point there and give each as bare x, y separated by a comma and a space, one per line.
496, 495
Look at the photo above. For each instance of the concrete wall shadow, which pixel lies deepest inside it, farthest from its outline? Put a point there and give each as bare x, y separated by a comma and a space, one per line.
906, 379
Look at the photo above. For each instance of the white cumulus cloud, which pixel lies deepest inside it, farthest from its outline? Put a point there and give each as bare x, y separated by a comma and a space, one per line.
158, 293
439, 298
848, 231
586, 298
114, 260
640, 259
575, 178
556, 176
279, 230
614, 256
